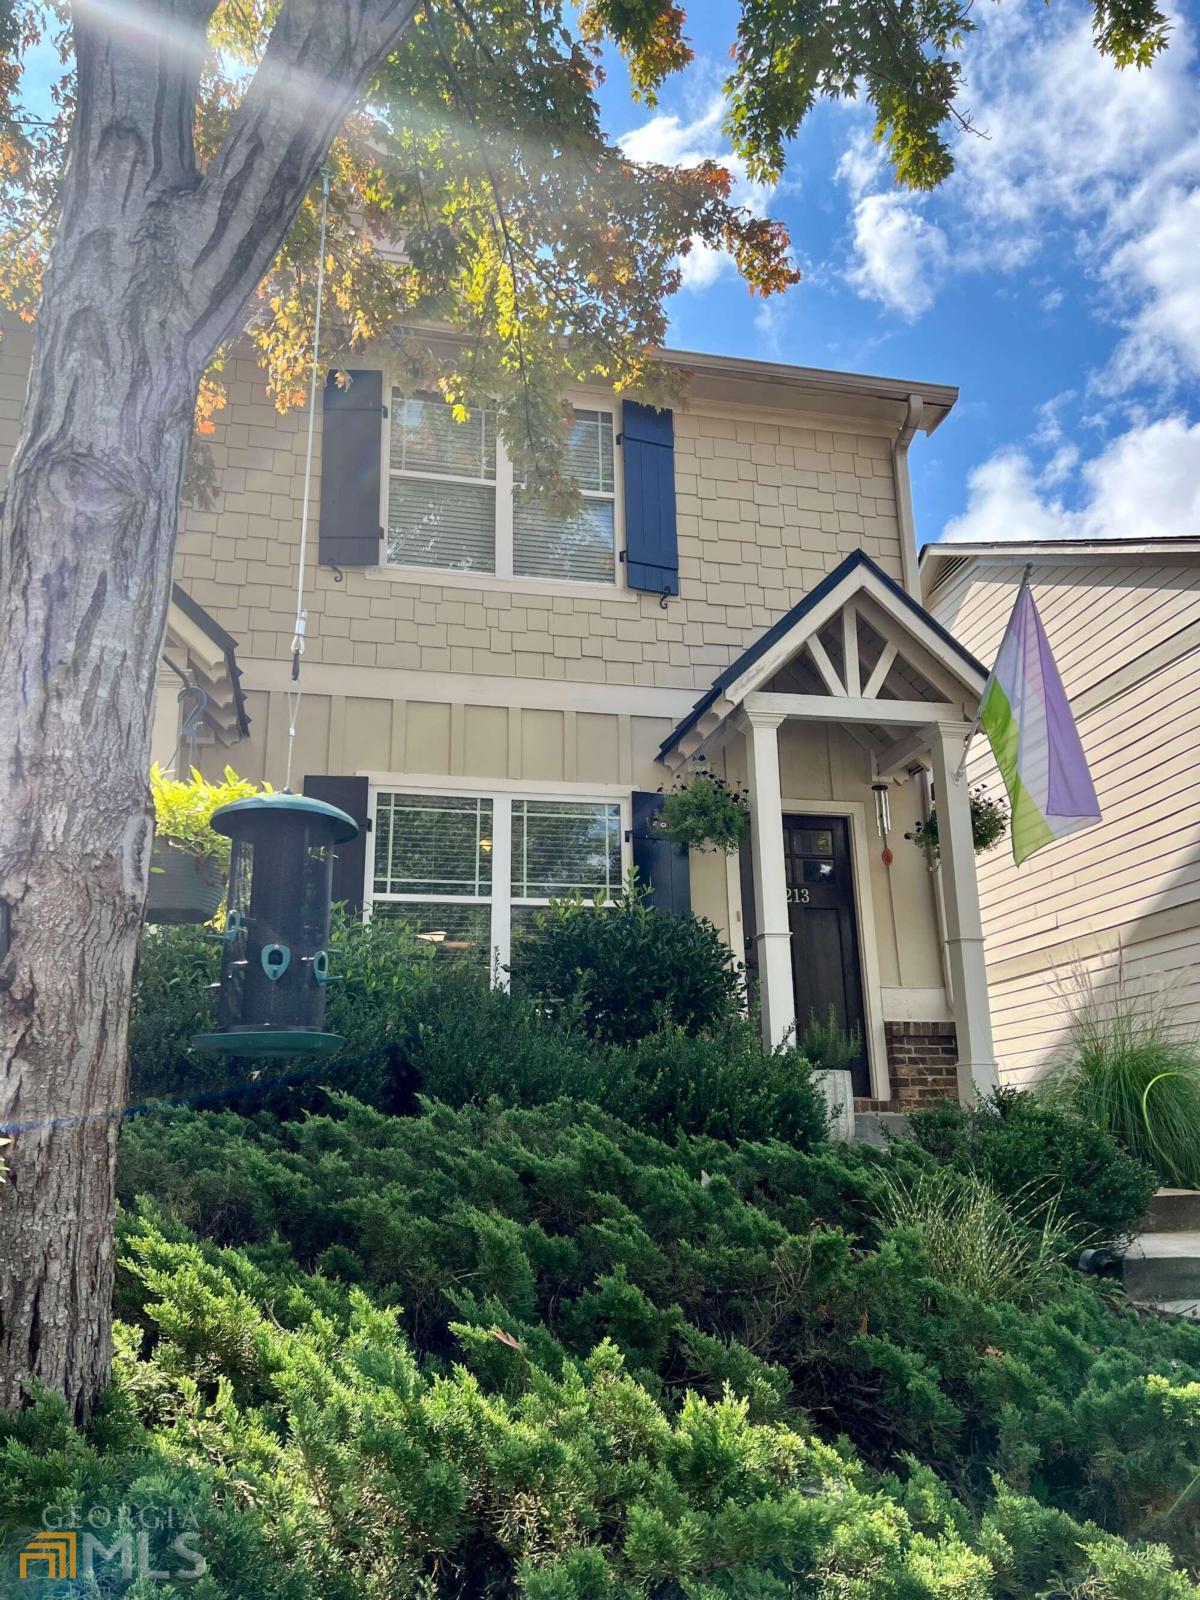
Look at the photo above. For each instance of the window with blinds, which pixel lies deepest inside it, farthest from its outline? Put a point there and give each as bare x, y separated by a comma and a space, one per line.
441, 486
433, 845
559, 848
433, 869
434, 854
453, 504
582, 547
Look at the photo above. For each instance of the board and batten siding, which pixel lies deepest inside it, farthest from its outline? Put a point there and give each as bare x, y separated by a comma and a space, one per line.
1119, 902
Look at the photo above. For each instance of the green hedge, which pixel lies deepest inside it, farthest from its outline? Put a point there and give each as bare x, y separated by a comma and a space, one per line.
626, 970
477, 1043
318, 1458
762, 1267
1034, 1155
412, 1024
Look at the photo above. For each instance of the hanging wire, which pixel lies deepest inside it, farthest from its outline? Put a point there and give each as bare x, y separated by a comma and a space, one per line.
295, 693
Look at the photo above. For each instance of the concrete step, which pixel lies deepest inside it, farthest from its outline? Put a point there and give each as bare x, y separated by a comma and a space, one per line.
1163, 1266
1173, 1211
873, 1127
1175, 1308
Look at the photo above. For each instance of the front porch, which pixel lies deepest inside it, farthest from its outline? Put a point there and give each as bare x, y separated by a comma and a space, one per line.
837, 716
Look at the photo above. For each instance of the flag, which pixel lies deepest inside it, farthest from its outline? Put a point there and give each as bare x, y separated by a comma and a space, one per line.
1027, 718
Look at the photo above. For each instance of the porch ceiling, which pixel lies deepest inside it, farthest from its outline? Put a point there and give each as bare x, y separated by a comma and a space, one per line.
857, 651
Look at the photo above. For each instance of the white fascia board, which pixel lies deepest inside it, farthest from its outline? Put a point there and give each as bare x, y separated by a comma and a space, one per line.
1051, 553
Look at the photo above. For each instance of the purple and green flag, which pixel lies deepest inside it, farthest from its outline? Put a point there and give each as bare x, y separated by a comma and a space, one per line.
1027, 718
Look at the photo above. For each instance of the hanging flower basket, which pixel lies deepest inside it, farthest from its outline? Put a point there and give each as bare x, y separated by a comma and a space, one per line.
989, 824
183, 887
705, 813
190, 861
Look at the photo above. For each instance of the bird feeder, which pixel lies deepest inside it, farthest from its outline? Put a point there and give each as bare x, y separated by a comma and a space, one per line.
275, 961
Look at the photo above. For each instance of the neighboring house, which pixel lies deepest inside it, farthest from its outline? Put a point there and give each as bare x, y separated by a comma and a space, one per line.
1122, 899
498, 696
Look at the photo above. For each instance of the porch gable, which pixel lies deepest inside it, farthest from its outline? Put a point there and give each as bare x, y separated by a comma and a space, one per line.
856, 650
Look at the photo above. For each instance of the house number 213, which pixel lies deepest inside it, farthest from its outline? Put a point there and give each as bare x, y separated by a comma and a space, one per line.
799, 897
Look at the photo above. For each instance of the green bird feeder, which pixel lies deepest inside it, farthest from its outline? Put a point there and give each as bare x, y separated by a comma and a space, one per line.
275, 962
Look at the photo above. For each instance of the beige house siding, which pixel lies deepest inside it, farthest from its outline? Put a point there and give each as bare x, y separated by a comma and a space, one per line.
15, 349
765, 510
478, 683
1121, 899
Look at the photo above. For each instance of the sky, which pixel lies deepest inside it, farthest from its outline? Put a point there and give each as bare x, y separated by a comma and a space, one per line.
1055, 278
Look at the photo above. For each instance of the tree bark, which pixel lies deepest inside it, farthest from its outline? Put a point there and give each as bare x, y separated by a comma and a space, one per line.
153, 265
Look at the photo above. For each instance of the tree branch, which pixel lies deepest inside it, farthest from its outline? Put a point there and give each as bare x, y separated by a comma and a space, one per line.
138, 66
317, 61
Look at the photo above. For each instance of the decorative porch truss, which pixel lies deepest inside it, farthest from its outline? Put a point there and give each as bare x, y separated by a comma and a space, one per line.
861, 653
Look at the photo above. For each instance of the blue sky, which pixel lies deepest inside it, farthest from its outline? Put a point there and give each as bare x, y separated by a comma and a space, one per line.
1055, 278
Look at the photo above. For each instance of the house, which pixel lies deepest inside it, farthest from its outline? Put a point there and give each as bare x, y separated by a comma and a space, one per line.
1120, 900
498, 696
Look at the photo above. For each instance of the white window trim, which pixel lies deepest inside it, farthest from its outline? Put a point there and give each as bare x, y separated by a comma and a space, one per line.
502, 484
501, 899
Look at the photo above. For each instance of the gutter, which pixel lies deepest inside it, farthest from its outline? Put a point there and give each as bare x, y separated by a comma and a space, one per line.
904, 508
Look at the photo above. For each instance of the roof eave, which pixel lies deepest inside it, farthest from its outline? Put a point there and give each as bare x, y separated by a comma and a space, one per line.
968, 666
937, 398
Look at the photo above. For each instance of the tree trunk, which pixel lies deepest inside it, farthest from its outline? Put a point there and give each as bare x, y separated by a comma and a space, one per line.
152, 266
86, 546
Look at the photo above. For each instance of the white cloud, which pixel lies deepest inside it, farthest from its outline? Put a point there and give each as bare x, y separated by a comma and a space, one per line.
1071, 141
1145, 484
1066, 131
1161, 267
900, 256
1060, 465
670, 139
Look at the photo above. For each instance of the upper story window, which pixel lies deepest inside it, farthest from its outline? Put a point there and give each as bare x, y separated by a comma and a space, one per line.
547, 546
452, 502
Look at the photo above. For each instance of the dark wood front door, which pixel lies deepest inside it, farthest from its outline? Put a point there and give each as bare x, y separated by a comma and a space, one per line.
826, 964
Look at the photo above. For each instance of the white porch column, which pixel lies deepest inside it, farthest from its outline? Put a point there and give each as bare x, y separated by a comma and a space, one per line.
964, 925
772, 938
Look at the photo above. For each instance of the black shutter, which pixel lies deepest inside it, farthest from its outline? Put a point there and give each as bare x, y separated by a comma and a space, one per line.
662, 866
351, 465
350, 860
648, 454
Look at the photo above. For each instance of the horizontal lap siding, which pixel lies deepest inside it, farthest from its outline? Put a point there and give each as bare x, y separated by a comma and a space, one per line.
1097, 619
1029, 1015
1142, 751
1092, 903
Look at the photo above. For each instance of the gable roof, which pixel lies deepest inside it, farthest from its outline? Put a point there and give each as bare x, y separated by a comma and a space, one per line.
971, 669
